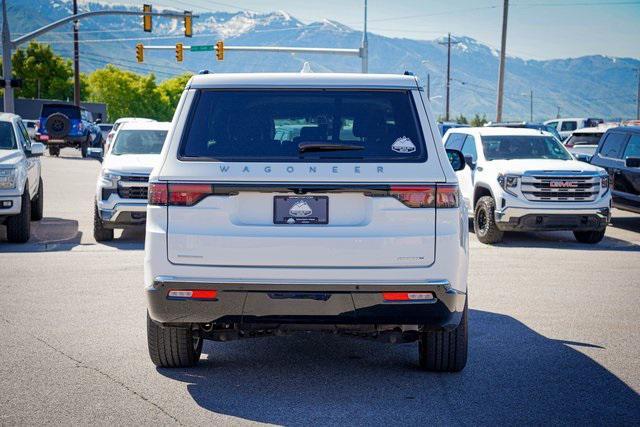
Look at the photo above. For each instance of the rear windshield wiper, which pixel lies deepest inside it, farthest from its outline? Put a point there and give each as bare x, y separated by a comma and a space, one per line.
326, 146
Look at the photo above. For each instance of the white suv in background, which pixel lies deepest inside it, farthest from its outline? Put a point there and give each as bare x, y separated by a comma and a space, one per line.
21, 188
121, 191
526, 180
351, 224
568, 125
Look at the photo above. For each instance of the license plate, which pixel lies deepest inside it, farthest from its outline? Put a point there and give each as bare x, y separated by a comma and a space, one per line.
301, 210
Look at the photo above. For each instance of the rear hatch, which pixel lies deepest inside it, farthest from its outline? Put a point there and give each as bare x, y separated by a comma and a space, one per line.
304, 178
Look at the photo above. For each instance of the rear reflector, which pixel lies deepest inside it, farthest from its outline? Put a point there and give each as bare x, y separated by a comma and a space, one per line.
199, 294
407, 296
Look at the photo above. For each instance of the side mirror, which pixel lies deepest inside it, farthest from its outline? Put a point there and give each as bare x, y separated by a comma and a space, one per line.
632, 162
37, 149
95, 153
456, 159
469, 161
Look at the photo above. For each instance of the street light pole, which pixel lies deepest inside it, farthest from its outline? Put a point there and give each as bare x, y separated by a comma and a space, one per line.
6, 61
76, 58
448, 79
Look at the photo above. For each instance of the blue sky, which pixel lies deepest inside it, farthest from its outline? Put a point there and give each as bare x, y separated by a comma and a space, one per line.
539, 29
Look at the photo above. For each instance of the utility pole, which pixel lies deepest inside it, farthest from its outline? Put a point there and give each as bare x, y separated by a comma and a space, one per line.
6, 61
364, 50
429, 86
76, 58
531, 106
503, 47
448, 79
558, 114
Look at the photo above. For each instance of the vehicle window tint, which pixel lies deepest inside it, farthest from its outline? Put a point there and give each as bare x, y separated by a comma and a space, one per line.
7, 137
568, 126
633, 147
584, 139
139, 142
506, 147
553, 124
613, 145
469, 148
274, 125
26, 141
455, 141
68, 110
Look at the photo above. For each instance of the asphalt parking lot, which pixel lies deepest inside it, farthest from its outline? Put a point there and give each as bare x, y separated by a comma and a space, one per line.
554, 338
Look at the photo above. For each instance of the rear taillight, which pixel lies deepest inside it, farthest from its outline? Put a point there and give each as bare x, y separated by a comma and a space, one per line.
158, 194
415, 196
178, 194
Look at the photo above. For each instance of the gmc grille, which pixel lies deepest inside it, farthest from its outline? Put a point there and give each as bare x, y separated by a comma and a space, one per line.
133, 187
560, 188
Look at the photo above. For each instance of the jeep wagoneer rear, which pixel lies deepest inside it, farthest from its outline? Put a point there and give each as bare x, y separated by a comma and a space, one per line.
287, 202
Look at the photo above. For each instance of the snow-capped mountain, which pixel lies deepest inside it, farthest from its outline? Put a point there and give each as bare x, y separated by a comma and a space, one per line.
587, 86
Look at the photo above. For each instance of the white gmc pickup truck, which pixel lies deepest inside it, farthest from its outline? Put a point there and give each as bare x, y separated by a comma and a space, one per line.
526, 180
21, 189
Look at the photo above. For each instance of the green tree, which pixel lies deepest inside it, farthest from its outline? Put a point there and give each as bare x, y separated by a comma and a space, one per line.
171, 90
127, 93
39, 66
461, 119
478, 121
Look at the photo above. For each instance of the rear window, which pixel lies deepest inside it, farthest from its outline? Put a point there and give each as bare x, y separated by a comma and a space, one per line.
303, 125
68, 110
584, 139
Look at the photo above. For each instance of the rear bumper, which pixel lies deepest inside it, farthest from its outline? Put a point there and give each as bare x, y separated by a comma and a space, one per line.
524, 219
297, 303
69, 140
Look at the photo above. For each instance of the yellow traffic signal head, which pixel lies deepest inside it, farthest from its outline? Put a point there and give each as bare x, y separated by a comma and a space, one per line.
188, 24
140, 52
146, 19
220, 50
179, 52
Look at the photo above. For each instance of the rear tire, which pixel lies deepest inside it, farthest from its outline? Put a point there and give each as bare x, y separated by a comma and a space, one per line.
590, 237
54, 151
172, 347
100, 233
444, 351
19, 226
37, 205
484, 221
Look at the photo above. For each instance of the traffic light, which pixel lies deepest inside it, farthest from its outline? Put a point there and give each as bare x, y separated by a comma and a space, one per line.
179, 52
220, 50
140, 52
146, 19
188, 20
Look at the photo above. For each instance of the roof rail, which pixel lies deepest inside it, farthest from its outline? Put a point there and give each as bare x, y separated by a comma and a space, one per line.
408, 73
203, 72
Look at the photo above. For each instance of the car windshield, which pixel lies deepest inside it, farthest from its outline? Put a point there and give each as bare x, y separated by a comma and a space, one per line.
139, 142
7, 137
303, 125
584, 139
506, 147
68, 110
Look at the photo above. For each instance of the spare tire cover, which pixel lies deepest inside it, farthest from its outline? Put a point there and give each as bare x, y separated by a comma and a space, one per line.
58, 125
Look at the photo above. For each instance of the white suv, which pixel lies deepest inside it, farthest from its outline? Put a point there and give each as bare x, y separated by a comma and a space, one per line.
526, 180
21, 188
121, 191
351, 224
